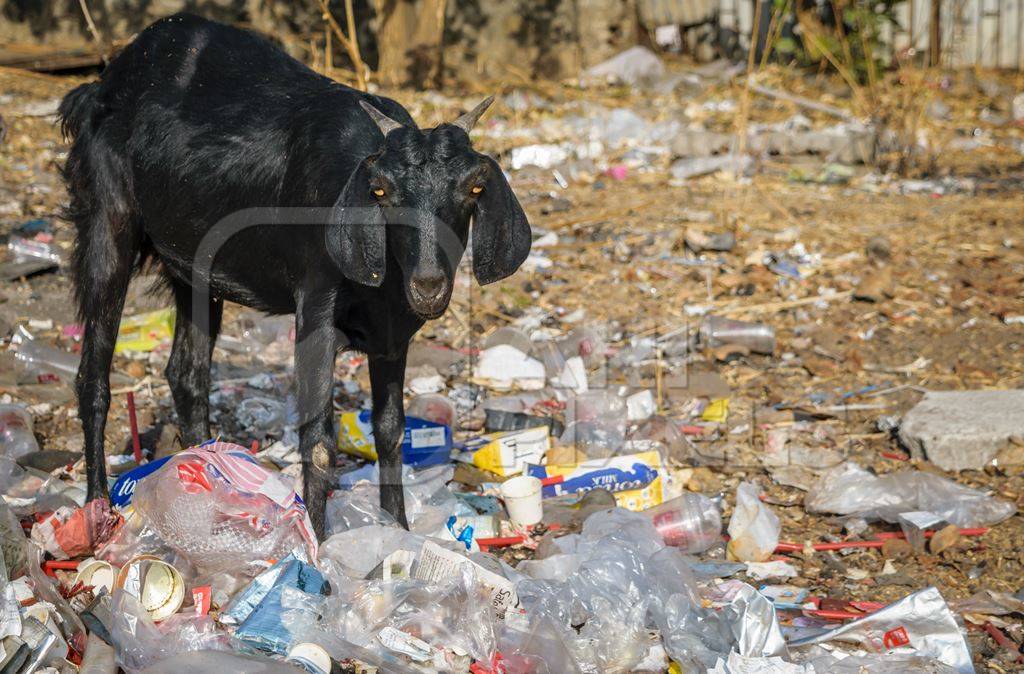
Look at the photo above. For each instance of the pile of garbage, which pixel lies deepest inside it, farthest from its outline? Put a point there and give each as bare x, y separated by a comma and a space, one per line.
605, 470
565, 534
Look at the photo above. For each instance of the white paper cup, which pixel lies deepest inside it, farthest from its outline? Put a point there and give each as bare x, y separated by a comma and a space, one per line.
98, 574
522, 496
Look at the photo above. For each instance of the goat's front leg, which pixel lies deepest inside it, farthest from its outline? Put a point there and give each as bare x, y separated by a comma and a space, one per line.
315, 348
387, 379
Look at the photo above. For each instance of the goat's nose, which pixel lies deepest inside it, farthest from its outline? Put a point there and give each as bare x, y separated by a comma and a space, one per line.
428, 287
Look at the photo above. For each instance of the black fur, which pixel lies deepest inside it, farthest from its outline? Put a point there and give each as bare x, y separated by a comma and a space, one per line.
248, 177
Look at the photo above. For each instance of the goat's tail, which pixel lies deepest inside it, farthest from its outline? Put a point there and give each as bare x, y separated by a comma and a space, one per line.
80, 106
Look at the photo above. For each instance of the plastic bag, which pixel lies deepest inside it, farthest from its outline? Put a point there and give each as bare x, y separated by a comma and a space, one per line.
356, 552
428, 503
608, 597
358, 507
78, 532
753, 528
850, 490
920, 624
222, 510
537, 651
596, 423
139, 642
205, 661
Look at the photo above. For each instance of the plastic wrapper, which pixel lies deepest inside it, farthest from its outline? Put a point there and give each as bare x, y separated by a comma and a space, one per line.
888, 663
206, 661
753, 528
134, 537
145, 332
27, 491
78, 532
920, 624
357, 552
355, 508
139, 642
537, 650
428, 503
508, 452
222, 510
739, 664
620, 571
424, 443
848, 489
406, 624
271, 625
596, 423
16, 437
99, 657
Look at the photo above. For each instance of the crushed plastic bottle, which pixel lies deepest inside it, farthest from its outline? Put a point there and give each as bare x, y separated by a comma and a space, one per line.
43, 363
16, 437
717, 331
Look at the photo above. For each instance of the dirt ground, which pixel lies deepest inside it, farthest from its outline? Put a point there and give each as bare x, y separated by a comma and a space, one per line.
948, 319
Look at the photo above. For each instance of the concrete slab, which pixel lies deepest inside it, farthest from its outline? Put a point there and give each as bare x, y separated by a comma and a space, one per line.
963, 430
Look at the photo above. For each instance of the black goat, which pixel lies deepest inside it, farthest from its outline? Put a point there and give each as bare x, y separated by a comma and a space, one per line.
252, 179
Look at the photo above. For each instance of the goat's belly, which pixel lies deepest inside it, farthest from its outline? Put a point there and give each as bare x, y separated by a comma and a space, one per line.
255, 285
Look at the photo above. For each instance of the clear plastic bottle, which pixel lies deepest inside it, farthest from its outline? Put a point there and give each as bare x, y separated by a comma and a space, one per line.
691, 522
16, 437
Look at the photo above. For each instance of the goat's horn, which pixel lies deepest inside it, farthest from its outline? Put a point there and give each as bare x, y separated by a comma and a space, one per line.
467, 121
384, 123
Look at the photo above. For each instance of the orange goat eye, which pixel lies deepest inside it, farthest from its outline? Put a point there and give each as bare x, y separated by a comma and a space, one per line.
477, 189
378, 192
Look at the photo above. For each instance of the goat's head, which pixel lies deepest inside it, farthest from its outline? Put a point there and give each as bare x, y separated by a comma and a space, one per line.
411, 204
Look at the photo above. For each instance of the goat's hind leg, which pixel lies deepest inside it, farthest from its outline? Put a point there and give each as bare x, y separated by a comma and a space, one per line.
196, 325
107, 245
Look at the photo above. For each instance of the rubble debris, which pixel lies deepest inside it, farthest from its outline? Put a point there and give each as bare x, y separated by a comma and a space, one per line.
963, 430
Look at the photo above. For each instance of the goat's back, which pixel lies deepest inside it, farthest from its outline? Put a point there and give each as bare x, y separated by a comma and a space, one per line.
209, 120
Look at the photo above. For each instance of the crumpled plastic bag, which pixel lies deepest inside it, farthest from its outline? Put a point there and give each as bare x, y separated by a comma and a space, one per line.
223, 511
848, 489
139, 642
920, 625
753, 528
69, 532
625, 574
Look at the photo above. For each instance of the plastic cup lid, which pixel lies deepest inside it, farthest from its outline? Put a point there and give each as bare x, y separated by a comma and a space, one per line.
312, 653
98, 574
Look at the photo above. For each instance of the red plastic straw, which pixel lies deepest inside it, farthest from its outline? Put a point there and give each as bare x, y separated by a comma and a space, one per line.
506, 541
136, 445
52, 565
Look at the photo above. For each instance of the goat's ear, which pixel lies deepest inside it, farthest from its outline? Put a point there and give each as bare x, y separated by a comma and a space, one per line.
356, 234
501, 233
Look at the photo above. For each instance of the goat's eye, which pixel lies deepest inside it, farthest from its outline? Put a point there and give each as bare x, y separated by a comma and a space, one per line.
477, 189
378, 192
